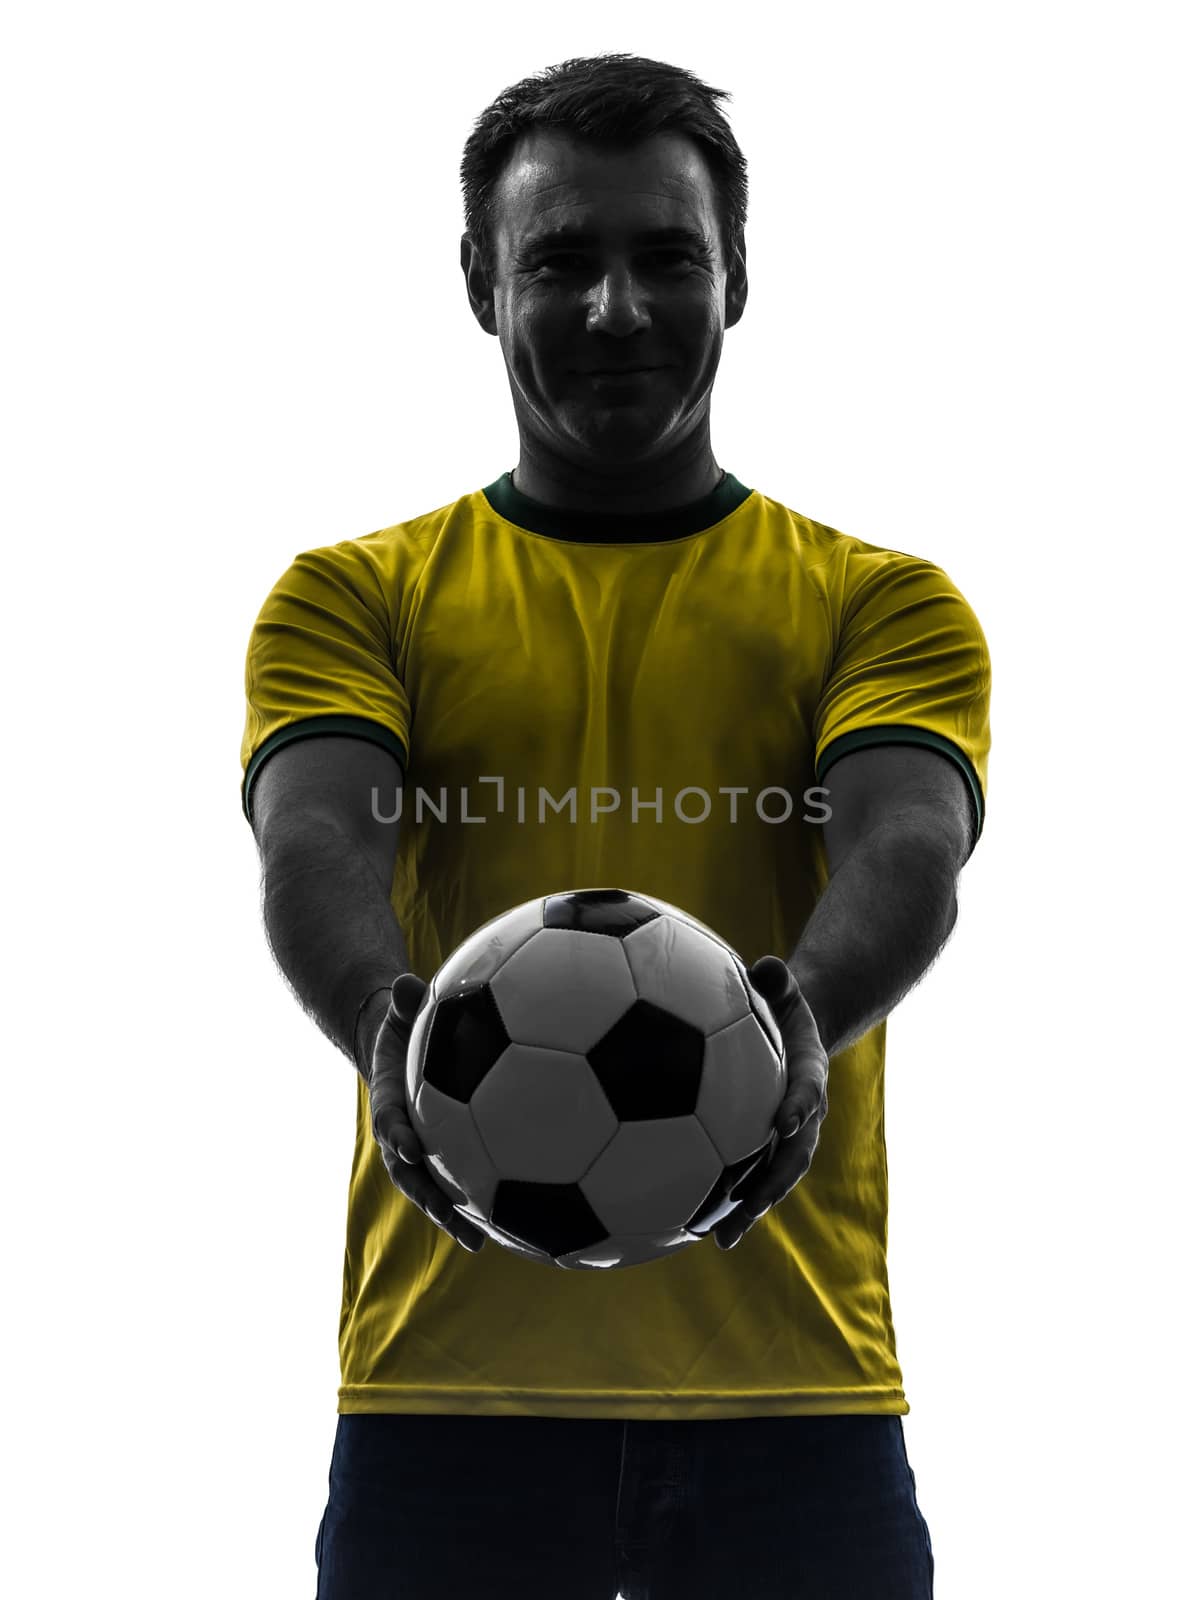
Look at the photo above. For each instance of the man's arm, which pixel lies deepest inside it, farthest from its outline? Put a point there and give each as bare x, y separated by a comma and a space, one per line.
899, 832
327, 866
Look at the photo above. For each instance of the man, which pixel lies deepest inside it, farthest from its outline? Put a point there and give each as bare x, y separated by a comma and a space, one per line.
618, 611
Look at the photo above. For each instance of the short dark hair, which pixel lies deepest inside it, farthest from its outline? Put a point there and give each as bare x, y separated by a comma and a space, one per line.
614, 99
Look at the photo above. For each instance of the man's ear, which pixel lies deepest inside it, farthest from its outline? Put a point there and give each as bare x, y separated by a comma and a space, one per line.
737, 283
478, 285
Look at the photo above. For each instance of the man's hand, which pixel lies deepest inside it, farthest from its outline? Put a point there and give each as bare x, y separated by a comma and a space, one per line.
799, 1116
402, 1152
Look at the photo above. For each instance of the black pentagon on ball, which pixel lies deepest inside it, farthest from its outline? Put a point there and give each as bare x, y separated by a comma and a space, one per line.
649, 1064
724, 1195
466, 1038
612, 911
552, 1217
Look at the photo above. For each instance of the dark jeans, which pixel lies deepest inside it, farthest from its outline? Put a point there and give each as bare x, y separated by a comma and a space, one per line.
454, 1507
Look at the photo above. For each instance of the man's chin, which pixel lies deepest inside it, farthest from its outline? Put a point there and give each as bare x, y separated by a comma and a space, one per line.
617, 440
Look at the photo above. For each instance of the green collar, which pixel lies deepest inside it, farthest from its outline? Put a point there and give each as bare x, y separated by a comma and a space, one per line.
612, 527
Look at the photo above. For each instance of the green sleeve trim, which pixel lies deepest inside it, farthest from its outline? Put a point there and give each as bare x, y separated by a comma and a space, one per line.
306, 728
898, 733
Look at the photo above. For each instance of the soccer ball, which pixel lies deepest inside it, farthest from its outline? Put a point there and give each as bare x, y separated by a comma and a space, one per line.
593, 1077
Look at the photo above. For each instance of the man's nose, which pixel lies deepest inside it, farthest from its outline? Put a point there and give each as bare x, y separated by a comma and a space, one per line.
617, 303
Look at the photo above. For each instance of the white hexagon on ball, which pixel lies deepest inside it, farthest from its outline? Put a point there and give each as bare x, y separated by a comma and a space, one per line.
652, 1176
479, 957
542, 1114
683, 915
455, 1150
743, 1083
690, 973
564, 989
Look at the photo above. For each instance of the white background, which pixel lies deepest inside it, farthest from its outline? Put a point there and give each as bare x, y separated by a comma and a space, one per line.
236, 328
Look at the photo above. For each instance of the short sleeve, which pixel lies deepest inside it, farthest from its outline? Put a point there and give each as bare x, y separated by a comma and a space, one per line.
911, 666
321, 661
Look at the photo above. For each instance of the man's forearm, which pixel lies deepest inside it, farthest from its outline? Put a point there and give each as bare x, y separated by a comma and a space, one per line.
332, 931
879, 924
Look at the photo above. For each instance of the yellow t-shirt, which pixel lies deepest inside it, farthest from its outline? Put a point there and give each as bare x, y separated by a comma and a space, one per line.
688, 676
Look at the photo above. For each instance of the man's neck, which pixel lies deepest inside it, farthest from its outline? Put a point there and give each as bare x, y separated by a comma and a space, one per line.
565, 488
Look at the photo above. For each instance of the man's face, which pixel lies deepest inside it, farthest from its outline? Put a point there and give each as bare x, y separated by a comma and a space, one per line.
609, 259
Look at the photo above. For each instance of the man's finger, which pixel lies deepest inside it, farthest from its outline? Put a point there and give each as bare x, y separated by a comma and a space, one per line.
796, 1110
774, 979
434, 1203
416, 1185
788, 1167
396, 1029
400, 1137
769, 1185
406, 995
394, 1036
